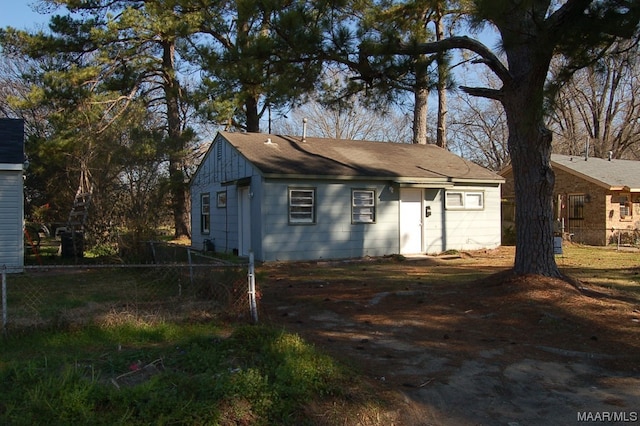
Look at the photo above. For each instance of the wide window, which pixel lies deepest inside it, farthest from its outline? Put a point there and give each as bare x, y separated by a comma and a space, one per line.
464, 200
205, 213
302, 205
363, 206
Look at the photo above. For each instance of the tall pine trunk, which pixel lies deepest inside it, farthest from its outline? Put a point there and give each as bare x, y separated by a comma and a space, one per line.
251, 112
530, 150
421, 96
176, 144
441, 132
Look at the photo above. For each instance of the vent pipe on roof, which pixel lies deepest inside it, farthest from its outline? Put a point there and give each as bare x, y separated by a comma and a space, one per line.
586, 150
304, 129
610, 155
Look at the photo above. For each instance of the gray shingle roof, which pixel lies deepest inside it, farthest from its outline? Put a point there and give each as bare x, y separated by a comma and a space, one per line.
287, 155
611, 174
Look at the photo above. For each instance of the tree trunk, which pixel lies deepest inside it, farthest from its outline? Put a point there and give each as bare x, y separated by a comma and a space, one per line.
176, 144
421, 96
253, 119
441, 132
530, 149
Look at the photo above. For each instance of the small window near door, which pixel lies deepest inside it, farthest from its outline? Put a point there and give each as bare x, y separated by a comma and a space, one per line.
626, 210
302, 203
464, 200
205, 213
363, 206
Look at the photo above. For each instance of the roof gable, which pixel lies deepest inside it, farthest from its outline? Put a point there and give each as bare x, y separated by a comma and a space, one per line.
614, 174
286, 155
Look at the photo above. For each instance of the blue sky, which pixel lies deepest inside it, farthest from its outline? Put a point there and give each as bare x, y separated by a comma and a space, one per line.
20, 14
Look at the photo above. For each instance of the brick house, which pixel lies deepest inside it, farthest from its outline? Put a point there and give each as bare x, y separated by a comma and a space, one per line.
596, 201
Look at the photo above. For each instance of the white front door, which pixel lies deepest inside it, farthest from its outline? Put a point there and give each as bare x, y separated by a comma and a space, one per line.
244, 221
411, 220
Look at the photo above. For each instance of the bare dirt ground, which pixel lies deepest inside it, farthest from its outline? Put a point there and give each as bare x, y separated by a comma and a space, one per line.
502, 350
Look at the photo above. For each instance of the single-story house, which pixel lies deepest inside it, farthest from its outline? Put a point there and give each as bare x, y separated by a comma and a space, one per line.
596, 200
295, 198
11, 193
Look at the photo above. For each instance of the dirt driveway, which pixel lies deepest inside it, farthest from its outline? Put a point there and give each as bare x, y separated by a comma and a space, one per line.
496, 351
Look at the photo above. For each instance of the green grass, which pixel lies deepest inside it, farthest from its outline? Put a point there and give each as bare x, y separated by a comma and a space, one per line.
201, 375
602, 267
137, 372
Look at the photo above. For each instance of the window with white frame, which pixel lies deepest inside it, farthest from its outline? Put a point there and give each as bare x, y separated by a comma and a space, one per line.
363, 206
205, 213
302, 203
626, 208
464, 200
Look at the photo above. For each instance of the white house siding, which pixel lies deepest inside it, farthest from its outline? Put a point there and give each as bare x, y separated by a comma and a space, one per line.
332, 235
11, 217
473, 229
434, 238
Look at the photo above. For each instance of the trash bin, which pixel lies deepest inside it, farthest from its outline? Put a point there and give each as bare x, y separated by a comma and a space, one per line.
71, 248
209, 245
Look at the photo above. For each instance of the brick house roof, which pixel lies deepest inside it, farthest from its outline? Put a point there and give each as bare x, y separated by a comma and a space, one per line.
278, 155
613, 175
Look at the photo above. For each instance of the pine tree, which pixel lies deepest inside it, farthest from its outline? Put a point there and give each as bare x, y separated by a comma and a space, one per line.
532, 32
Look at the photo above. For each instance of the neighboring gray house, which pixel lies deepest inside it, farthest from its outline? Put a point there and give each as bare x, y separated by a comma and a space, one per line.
285, 198
11, 194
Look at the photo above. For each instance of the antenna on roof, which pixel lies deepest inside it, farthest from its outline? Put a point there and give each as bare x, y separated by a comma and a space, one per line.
304, 129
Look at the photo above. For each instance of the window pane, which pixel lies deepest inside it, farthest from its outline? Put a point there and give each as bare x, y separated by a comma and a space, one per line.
205, 203
624, 207
473, 200
363, 198
205, 220
454, 199
301, 205
363, 206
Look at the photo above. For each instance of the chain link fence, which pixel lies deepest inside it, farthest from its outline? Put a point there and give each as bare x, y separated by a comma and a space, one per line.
589, 235
65, 296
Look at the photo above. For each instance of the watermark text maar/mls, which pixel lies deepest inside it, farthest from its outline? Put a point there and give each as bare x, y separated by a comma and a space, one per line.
608, 416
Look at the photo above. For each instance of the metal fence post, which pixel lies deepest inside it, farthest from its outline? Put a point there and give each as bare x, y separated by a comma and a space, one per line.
252, 289
190, 266
4, 299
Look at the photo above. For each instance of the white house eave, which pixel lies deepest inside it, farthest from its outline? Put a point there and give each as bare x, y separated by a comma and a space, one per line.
281, 176
423, 183
400, 181
9, 166
479, 181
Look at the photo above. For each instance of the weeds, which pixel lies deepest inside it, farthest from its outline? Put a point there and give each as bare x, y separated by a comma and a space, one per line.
184, 374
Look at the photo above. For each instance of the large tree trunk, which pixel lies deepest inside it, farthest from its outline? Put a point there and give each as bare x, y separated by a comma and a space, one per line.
178, 183
530, 150
251, 111
534, 180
